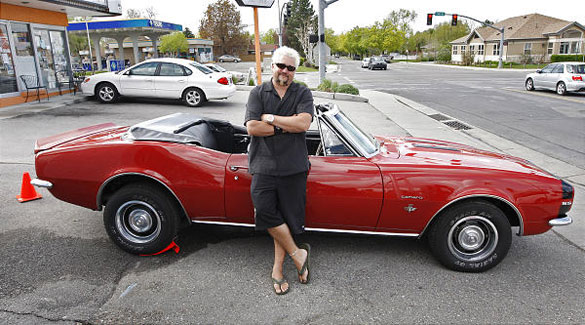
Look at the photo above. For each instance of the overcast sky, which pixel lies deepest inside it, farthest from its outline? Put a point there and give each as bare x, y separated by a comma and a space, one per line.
343, 15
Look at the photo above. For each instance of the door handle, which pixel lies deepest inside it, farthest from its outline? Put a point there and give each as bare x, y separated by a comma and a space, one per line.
235, 168
181, 81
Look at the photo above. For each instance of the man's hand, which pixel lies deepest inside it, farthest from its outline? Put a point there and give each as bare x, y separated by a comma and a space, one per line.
292, 124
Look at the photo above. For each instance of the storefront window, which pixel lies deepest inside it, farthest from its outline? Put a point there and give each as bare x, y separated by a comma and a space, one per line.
45, 57
23, 57
7, 75
60, 55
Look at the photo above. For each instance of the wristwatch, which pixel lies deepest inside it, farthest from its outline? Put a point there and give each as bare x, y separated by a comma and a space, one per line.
269, 118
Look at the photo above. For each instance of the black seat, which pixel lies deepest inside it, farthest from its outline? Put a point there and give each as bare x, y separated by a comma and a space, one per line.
31, 83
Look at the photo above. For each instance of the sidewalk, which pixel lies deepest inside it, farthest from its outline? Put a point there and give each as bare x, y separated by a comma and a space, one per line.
405, 117
34, 106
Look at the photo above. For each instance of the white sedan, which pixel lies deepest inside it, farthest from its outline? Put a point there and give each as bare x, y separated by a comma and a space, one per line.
561, 77
161, 78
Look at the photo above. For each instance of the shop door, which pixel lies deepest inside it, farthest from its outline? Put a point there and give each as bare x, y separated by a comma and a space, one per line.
8, 83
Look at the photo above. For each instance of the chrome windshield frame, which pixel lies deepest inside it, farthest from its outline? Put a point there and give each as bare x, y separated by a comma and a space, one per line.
329, 116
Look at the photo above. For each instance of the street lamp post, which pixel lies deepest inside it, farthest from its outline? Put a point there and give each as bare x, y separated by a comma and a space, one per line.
321, 17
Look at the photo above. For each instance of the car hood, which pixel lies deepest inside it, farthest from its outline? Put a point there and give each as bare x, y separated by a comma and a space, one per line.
432, 152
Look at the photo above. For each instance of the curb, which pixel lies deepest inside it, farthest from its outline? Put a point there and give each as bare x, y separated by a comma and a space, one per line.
321, 94
468, 68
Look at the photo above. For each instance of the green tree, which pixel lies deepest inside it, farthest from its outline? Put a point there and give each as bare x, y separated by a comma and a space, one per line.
269, 37
222, 24
188, 33
173, 43
301, 24
402, 20
77, 42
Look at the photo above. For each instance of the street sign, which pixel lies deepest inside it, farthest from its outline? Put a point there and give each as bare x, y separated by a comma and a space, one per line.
255, 3
116, 65
439, 13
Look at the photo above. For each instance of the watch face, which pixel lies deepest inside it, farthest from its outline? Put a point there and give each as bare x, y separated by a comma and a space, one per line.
270, 118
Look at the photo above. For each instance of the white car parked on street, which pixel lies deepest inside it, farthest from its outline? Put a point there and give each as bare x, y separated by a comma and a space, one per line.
183, 79
561, 77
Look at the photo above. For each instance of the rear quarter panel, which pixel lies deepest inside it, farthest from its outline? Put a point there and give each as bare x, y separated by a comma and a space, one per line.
78, 169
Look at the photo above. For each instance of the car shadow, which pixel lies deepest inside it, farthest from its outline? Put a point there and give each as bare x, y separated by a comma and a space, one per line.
177, 102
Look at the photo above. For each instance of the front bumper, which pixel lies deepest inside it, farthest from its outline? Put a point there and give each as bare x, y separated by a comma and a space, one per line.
560, 221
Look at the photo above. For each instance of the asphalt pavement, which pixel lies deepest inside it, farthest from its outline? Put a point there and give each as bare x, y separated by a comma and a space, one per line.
368, 280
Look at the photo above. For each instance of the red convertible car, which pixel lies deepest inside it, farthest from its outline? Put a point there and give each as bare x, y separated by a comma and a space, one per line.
156, 176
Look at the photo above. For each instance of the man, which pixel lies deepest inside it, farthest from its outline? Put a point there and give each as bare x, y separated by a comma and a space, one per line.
278, 114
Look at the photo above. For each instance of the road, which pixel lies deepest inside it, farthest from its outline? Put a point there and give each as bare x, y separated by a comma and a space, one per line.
58, 266
494, 101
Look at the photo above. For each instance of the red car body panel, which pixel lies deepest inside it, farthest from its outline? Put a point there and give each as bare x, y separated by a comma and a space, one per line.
398, 190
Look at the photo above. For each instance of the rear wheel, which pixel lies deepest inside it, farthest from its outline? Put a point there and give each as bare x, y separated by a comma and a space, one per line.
107, 93
471, 237
193, 97
141, 219
561, 88
529, 84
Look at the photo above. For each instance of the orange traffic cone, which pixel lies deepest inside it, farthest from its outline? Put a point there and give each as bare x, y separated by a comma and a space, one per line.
27, 191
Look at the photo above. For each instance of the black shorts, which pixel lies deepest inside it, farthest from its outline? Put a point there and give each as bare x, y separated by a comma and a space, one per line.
278, 200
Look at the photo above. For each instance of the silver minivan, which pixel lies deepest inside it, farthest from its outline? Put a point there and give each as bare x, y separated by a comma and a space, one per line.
561, 77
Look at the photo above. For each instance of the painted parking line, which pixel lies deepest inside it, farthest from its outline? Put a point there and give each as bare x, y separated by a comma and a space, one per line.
555, 96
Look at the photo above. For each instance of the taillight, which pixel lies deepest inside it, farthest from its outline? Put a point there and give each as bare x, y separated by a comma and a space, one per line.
223, 81
577, 78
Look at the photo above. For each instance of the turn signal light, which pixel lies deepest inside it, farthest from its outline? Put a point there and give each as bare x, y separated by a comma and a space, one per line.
577, 78
223, 81
86, 80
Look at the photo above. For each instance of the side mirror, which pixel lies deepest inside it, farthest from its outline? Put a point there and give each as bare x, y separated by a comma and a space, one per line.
127, 73
538, 71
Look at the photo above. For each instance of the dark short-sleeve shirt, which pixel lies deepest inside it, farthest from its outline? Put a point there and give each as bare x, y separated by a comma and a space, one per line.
281, 154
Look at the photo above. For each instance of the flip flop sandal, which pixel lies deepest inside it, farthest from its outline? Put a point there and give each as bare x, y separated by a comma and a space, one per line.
305, 267
280, 283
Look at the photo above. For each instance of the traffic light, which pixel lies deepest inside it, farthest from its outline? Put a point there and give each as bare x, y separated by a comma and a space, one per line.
429, 19
286, 13
454, 20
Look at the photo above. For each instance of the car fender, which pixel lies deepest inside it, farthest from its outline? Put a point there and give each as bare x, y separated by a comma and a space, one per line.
462, 198
134, 176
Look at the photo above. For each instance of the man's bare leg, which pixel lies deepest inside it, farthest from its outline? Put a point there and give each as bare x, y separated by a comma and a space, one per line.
283, 239
277, 273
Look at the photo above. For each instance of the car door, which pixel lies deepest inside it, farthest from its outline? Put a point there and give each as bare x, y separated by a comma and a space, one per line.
540, 79
139, 81
556, 75
344, 191
171, 80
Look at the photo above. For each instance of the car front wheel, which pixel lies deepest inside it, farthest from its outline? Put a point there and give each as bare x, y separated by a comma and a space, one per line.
561, 88
141, 219
193, 97
471, 237
107, 93
529, 84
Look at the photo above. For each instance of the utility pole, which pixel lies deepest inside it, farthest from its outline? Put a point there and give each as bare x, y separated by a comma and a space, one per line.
322, 5
279, 23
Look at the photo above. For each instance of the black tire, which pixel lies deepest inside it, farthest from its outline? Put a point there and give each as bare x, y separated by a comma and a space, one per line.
193, 97
107, 93
471, 237
141, 219
561, 88
529, 84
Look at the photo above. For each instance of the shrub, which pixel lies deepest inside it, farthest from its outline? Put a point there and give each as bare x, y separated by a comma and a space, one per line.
302, 61
328, 86
348, 89
564, 57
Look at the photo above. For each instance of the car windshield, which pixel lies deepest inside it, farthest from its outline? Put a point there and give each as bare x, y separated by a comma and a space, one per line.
364, 140
201, 67
574, 68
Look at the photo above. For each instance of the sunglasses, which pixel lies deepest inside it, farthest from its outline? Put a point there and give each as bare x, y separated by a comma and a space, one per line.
288, 67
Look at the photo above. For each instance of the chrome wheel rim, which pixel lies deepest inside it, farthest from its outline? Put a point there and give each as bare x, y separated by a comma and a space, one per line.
529, 84
193, 97
106, 93
561, 89
138, 222
473, 238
